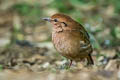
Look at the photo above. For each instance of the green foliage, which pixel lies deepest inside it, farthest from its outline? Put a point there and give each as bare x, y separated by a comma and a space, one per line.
23, 9
1, 67
79, 2
94, 42
62, 5
31, 12
118, 54
83, 2
27, 9
115, 32
116, 4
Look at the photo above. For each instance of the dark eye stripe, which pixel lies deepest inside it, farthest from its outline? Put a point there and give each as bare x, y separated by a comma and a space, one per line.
64, 23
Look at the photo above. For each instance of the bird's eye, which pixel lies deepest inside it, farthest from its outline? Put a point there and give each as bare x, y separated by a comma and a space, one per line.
55, 20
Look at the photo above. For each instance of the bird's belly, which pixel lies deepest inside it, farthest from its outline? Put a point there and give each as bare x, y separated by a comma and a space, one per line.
62, 45
66, 48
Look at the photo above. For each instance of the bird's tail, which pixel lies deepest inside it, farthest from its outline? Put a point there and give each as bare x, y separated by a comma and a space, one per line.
90, 60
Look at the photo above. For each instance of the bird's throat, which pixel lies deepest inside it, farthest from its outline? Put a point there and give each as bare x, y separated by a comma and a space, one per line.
58, 29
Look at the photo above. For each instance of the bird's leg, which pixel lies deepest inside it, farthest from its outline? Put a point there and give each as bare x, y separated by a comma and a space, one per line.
70, 63
90, 60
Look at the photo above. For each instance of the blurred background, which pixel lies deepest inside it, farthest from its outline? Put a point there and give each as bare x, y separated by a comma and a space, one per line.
25, 39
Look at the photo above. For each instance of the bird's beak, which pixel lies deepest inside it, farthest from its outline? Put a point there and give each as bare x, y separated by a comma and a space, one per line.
47, 19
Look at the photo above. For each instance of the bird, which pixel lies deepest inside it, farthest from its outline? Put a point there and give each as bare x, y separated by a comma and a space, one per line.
70, 38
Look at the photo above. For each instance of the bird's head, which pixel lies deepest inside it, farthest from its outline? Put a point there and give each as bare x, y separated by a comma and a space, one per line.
61, 22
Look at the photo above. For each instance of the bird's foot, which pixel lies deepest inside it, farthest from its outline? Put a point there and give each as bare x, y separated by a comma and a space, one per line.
66, 65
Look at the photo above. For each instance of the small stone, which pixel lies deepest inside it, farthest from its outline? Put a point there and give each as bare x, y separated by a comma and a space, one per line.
45, 65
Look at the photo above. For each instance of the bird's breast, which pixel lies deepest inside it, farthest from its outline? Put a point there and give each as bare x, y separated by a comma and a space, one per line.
61, 42
70, 45
65, 44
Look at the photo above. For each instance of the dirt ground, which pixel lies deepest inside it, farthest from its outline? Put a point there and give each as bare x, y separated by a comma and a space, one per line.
35, 63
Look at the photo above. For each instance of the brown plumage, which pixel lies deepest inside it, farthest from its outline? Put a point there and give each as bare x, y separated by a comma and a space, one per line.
70, 38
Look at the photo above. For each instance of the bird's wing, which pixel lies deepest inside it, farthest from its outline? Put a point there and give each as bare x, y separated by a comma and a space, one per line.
84, 39
83, 31
85, 34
